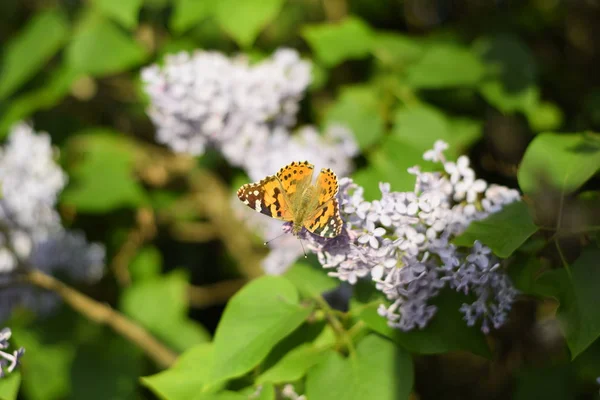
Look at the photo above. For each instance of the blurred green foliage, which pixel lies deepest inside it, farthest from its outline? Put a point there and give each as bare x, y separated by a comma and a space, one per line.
512, 84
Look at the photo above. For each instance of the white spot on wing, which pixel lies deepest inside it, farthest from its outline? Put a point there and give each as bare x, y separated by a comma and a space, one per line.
256, 192
257, 206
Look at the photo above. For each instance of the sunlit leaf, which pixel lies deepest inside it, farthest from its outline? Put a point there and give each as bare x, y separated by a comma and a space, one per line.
255, 319
563, 161
244, 19
334, 43
380, 370
30, 50
503, 231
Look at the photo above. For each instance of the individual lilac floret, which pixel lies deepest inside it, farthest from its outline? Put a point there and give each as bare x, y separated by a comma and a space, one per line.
206, 99
31, 233
403, 240
8, 361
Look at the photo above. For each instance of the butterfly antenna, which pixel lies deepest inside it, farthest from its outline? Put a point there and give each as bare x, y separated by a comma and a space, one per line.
270, 240
304, 251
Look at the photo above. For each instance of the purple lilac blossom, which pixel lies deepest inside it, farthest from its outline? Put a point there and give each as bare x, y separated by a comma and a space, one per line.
31, 233
8, 361
403, 242
206, 99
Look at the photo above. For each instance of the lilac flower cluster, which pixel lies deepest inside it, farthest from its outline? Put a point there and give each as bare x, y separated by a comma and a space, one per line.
247, 112
403, 241
31, 233
8, 361
206, 99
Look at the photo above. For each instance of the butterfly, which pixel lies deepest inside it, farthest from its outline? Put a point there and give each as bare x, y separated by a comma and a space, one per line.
290, 195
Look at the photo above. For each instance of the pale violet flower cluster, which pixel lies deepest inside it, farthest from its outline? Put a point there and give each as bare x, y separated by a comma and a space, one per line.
8, 361
403, 242
247, 112
31, 233
207, 99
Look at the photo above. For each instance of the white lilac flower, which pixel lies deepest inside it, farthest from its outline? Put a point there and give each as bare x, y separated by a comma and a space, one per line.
31, 234
8, 361
404, 239
206, 99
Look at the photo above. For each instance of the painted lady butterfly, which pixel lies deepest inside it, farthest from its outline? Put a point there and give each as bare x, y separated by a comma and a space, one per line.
291, 196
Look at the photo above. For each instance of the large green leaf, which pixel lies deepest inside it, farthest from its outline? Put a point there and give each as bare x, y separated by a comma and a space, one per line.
380, 371
447, 331
444, 66
244, 19
578, 312
548, 383
31, 49
503, 231
359, 108
294, 365
185, 379
104, 180
124, 11
309, 281
334, 43
160, 304
420, 126
188, 13
563, 161
9, 386
255, 319
396, 51
101, 48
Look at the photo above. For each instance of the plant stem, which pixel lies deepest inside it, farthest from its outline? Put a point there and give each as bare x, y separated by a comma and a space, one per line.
104, 314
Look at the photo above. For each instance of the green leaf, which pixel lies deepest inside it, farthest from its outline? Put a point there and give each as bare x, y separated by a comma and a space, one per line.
421, 126
293, 366
389, 163
544, 116
359, 108
9, 386
46, 366
51, 93
267, 392
146, 265
447, 331
101, 48
380, 371
105, 367
309, 281
255, 319
188, 13
103, 180
503, 231
513, 84
396, 51
123, 11
160, 304
31, 49
445, 66
244, 19
563, 161
187, 377
334, 43
578, 312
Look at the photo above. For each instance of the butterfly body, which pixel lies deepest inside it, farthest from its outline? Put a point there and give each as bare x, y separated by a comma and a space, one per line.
291, 196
